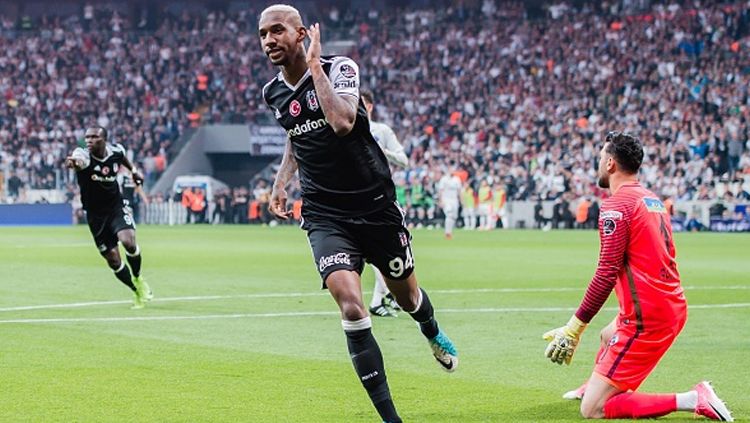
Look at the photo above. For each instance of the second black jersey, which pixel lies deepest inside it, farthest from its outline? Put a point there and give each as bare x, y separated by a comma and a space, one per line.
343, 177
100, 192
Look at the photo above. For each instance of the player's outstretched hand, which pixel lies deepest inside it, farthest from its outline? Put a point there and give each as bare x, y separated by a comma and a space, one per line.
277, 205
313, 52
70, 162
563, 341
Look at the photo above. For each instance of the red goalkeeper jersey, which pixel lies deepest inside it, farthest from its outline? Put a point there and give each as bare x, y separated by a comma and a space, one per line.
637, 259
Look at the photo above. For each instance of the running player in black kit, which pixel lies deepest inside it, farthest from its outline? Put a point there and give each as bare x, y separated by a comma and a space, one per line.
349, 207
109, 219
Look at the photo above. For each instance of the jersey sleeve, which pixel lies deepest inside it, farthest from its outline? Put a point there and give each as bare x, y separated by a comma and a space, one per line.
119, 149
344, 76
82, 155
396, 150
614, 235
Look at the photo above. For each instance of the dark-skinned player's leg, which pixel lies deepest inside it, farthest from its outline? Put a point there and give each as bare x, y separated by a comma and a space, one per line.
122, 272
416, 302
345, 287
126, 237
132, 250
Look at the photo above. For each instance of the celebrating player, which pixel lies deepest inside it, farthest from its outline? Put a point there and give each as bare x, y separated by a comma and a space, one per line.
108, 217
637, 259
349, 209
382, 302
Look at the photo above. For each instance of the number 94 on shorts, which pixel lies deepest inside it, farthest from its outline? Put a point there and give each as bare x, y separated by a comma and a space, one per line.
341, 245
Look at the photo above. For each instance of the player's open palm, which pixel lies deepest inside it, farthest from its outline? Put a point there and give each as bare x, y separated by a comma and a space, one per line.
277, 205
314, 51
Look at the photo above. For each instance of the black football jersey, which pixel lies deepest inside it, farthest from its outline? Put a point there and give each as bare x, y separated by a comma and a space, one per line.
100, 192
340, 177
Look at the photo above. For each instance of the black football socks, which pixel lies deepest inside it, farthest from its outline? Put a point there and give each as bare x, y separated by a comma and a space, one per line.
123, 274
424, 314
134, 260
368, 363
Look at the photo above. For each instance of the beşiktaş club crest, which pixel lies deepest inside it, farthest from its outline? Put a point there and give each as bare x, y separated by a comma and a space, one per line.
312, 101
403, 238
295, 108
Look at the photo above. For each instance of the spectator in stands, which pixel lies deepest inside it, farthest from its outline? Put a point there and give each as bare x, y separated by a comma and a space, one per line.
199, 205
582, 213
262, 194
14, 185
186, 200
240, 205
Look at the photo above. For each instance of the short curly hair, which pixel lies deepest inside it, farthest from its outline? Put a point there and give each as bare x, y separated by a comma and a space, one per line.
626, 149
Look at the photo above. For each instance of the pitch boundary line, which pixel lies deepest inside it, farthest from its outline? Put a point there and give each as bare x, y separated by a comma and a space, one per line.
326, 313
324, 294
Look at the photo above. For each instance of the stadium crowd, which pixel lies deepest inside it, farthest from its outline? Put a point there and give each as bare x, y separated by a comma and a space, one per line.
513, 102
526, 102
59, 75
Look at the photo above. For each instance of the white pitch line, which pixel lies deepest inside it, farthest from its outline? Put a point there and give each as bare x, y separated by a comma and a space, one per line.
324, 294
324, 313
166, 299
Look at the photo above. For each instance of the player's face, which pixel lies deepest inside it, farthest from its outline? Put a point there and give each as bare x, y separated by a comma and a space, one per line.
94, 139
604, 164
278, 39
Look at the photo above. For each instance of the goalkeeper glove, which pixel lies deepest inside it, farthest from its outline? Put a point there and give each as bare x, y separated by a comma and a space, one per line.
564, 340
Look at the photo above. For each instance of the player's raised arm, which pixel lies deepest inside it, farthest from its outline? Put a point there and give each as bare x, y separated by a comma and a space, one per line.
288, 166
340, 111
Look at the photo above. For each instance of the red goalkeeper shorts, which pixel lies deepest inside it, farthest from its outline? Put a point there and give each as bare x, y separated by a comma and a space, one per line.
631, 355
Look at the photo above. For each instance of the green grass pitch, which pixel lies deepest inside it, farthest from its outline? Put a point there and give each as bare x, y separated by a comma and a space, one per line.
240, 331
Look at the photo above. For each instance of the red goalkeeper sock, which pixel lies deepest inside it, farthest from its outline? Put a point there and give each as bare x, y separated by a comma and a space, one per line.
634, 405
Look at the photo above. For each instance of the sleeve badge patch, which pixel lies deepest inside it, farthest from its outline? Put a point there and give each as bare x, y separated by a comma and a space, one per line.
348, 71
654, 205
609, 226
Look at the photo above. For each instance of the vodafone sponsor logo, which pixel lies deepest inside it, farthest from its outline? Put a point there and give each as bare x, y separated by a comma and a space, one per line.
97, 178
309, 125
328, 261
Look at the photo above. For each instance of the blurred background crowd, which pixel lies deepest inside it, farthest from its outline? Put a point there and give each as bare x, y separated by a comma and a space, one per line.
513, 98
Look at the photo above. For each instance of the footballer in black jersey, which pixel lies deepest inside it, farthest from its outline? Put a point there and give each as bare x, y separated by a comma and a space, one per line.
349, 207
109, 219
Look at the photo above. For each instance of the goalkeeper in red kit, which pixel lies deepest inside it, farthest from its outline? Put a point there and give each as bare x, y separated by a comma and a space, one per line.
637, 260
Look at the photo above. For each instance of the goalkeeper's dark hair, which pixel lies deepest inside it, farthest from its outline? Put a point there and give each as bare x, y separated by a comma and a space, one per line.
626, 149
367, 96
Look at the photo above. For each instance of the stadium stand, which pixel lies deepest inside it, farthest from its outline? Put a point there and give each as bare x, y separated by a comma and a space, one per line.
517, 98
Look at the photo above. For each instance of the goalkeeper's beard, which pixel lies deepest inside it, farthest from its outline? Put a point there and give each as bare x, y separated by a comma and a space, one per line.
603, 181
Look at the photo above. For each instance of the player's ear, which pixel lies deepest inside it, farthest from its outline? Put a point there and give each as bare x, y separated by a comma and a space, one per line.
611, 165
301, 34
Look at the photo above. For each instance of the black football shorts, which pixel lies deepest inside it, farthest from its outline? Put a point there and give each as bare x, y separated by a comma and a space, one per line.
340, 245
104, 228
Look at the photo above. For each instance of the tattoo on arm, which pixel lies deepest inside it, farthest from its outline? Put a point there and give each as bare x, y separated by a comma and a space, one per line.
340, 111
287, 168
